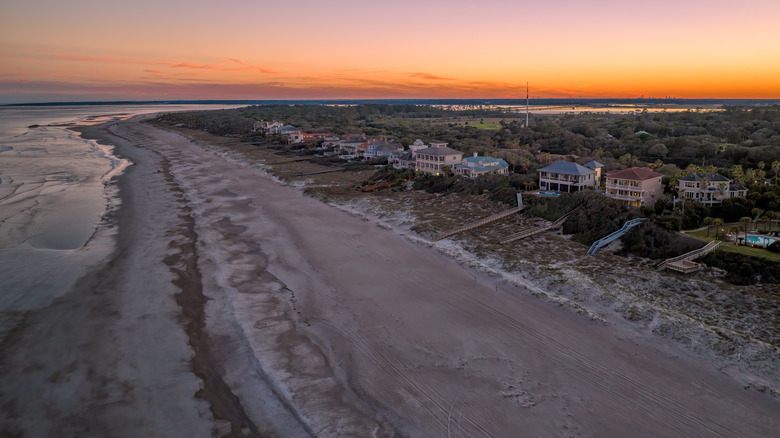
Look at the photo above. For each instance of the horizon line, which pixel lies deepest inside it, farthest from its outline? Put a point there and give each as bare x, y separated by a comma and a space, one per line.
570, 100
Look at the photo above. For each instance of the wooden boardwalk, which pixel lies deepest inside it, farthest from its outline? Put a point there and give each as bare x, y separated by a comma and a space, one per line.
684, 263
536, 230
480, 223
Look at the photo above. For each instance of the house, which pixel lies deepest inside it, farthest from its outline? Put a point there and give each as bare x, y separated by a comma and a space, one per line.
635, 186
391, 151
313, 136
595, 165
475, 166
283, 129
354, 148
405, 160
565, 176
384, 148
417, 146
265, 126
434, 158
709, 188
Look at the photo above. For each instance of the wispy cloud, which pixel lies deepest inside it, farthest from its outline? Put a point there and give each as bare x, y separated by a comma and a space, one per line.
228, 64
421, 75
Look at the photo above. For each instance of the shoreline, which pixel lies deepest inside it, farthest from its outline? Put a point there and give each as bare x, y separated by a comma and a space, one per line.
321, 323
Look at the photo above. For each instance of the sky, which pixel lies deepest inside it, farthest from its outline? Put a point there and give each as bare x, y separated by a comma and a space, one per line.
86, 50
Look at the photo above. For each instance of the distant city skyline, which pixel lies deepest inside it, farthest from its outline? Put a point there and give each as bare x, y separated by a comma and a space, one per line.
87, 50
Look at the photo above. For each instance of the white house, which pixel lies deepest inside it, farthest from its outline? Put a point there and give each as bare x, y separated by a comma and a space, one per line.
709, 188
565, 176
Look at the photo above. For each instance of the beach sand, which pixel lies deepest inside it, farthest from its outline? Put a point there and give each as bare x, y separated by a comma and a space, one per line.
236, 306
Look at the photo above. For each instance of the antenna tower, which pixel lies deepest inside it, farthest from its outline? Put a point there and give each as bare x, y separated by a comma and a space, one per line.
526, 104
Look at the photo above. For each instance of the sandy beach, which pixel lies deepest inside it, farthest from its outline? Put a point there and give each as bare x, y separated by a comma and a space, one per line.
234, 305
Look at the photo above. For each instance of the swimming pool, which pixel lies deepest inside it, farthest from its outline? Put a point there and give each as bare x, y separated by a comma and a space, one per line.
553, 194
760, 240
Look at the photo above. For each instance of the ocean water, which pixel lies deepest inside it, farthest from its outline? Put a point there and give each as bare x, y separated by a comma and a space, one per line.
55, 192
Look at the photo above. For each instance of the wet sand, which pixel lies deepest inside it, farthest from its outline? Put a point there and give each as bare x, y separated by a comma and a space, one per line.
234, 305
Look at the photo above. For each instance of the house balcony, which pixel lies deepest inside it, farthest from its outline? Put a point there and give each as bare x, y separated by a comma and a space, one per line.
621, 186
625, 197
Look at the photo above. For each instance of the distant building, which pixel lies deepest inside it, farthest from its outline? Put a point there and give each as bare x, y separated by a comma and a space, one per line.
265, 126
595, 165
475, 166
635, 186
709, 188
565, 176
434, 158
416, 146
391, 151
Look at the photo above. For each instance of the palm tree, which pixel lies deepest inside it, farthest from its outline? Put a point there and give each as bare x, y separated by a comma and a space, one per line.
745, 221
708, 222
717, 222
776, 169
682, 197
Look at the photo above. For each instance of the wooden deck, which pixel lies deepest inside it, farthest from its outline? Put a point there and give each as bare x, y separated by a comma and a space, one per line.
684, 263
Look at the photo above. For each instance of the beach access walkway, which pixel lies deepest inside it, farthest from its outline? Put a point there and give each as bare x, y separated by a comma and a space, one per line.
479, 223
536, 230
684, 263
614, 236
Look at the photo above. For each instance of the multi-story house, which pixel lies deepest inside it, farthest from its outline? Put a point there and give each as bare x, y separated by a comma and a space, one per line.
709, 188
434, 158
636, 186
475, 166
565, 176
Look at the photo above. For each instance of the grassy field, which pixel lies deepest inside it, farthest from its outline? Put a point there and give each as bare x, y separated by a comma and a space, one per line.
493, 126
730, 247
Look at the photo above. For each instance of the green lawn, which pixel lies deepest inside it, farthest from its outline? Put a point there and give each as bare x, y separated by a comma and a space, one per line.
493, 126
730, 247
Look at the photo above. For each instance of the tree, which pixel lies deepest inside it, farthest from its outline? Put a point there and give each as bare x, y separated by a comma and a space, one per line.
682, 198
717, 223
708, 222
738, 174
745, 221
776, 169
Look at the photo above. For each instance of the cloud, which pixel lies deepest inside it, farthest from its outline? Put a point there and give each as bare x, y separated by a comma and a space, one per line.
227, 65
429, 76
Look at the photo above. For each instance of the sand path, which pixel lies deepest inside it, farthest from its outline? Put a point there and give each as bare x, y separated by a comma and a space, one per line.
319, 323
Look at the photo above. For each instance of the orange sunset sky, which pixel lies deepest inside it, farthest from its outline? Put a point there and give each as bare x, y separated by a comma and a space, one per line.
81, 50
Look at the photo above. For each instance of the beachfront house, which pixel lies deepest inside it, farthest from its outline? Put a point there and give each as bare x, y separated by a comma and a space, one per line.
475, 166
391, 151
596, 166
709, 188
383, 148
635, 186
405, 160
566, 176
433, 159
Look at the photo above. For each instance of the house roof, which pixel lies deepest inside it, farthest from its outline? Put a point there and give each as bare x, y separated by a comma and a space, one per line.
566, 168
485, 160
711, 177
389, 147
634, 173
439, 151
593, 165
406, 156
737, 186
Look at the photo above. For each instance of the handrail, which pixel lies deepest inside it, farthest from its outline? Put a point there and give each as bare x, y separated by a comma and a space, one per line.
615, 235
